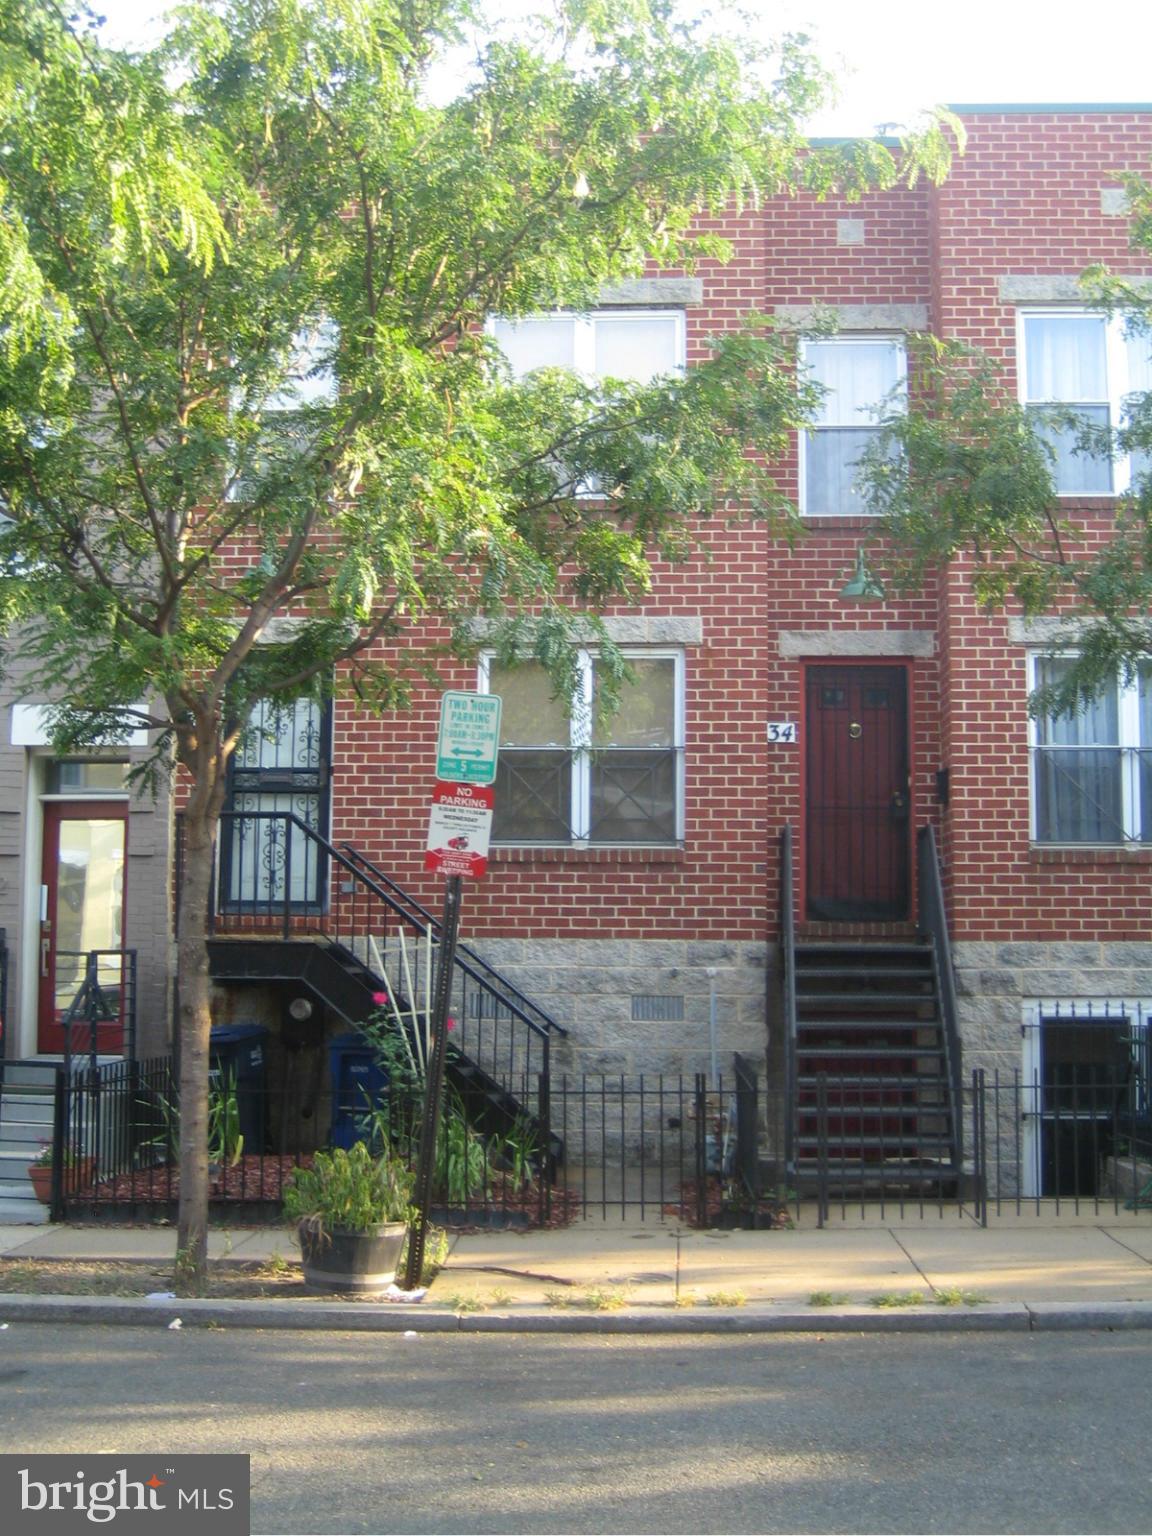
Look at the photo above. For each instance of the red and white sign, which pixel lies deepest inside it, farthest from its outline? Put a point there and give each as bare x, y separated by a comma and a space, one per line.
459, 827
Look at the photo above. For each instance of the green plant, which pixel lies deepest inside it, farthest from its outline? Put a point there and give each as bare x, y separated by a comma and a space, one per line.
350, 1190
466, 1301
225, 1141
828, 1299
501, 1296
899, 1299
557, 1299
953, 1296
521, 1150
726, 1299
462, 1171
44, 1157
604, 1299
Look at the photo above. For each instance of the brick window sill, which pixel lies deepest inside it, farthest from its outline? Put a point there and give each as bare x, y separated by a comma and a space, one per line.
611, 856
1082, 856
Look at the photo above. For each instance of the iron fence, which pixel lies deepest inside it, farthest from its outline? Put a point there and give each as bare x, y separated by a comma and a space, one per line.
595, 1147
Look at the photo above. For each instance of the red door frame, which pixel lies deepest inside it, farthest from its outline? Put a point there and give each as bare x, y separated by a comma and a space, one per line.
908, 667
49, 1034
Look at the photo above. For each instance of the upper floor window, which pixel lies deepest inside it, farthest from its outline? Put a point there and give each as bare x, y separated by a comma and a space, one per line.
635, 345
287, 421
1088, 363
1092, 770
566, 777
863, 377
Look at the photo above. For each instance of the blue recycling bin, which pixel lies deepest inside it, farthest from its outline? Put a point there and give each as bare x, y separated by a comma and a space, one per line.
359, 1085
237, 1053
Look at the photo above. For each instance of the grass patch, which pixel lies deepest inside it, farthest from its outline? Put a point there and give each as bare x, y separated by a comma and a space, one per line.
684, 1300
725, 1299
466, 1301
604, 1299
501, 1297
953, 1296
558, 1299
828, 1299
899, 1299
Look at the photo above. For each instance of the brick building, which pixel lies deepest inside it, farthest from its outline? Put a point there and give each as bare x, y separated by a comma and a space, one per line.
634, 890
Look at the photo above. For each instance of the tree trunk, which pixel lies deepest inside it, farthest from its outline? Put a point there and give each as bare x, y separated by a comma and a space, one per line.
194, 1024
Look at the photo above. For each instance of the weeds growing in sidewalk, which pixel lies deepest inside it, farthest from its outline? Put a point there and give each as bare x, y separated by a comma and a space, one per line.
899, 1299
725, 1299
953, 1296
829, 1299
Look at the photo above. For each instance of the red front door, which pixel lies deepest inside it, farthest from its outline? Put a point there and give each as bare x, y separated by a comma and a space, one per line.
82, 922
857, 793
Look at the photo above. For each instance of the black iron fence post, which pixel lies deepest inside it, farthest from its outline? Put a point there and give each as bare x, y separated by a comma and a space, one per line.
544, 1121
822, 1202
60, 1121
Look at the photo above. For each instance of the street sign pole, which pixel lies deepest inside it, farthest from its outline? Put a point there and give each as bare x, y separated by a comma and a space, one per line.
434, 1088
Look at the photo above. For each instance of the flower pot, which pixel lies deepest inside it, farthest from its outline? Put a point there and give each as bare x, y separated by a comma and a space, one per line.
351, 1261
78, 1175
41, 1176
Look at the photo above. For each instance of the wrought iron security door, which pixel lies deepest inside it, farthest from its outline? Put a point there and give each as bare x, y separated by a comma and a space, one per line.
857, 794
280, 770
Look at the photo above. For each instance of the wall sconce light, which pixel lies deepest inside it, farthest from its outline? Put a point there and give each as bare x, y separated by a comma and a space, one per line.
862, 586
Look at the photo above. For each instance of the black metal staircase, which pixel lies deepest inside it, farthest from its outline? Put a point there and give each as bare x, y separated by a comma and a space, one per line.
348, 934
873, 1058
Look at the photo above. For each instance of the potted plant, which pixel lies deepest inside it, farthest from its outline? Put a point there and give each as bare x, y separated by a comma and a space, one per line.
78, 1171
351, 1209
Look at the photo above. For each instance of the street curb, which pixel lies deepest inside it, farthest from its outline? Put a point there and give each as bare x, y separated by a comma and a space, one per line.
376, 1317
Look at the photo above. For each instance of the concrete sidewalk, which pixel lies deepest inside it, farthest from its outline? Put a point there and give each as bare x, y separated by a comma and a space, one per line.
1024, 1270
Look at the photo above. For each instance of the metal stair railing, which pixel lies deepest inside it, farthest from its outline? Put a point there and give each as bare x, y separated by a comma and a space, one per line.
788, 970
276, 876
933, 925
507, 989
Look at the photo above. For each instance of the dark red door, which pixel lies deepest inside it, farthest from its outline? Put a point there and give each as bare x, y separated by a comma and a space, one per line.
82, 921
857, 793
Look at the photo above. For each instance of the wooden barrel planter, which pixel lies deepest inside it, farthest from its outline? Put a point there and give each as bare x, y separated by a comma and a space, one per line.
351, 1261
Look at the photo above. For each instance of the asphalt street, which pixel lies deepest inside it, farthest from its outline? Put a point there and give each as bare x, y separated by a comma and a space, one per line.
772, 1433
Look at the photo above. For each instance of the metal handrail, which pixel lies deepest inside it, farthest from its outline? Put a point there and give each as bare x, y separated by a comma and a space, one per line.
399, 905
497, 977
90, 1006
933, 924
788, 970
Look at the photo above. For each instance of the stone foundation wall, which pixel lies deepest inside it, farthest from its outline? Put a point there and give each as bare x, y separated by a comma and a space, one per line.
994, 982
606, 993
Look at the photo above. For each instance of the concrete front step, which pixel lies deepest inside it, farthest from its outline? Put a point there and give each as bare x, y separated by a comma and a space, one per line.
18, 1212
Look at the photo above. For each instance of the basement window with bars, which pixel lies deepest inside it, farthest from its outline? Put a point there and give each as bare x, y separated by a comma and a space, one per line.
567, 778
1092, 770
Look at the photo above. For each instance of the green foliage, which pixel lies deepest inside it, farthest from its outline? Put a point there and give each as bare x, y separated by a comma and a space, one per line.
225, 1141
349, 1190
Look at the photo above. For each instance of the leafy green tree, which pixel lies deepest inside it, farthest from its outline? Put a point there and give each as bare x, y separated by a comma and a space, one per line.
176, 480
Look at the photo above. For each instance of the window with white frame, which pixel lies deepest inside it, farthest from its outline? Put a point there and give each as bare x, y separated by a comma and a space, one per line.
1092, 770
863, 378
568, 777
634, 345
1092, 364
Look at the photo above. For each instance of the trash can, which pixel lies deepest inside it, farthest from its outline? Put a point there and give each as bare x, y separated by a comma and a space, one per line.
236, 1054
359, 1085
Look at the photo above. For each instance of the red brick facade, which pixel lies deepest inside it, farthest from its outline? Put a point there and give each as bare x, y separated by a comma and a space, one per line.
1025, 200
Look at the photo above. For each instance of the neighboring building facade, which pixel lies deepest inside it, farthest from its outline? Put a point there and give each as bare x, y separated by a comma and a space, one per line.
634, 889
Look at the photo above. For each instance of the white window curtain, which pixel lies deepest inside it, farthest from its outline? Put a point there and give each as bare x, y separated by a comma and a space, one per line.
1066, 364
631, 345
862, 378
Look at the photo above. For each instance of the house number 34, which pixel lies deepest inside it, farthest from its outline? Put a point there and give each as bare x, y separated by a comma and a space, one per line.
783, 730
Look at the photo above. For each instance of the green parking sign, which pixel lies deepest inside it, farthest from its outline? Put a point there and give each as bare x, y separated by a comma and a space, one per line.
469, 740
